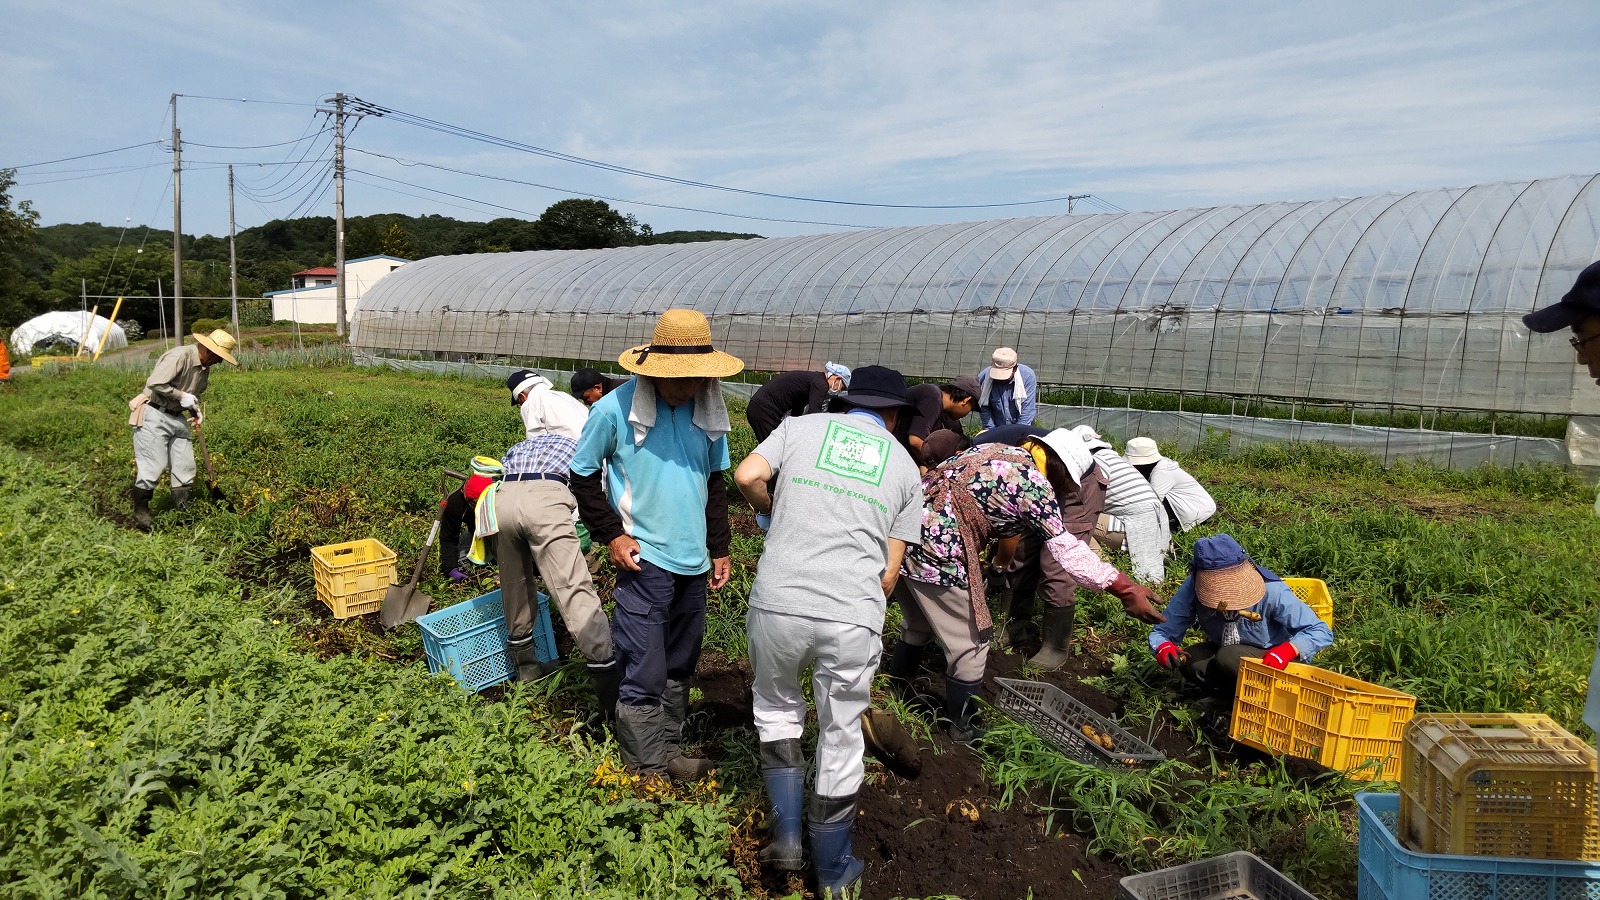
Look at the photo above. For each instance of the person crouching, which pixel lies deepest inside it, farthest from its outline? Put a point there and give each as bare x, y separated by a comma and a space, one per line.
1245, 612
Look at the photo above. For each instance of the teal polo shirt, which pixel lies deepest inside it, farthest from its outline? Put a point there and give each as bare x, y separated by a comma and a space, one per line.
659, 486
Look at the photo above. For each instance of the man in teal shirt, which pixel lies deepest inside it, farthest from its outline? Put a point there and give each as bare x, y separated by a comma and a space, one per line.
661, 443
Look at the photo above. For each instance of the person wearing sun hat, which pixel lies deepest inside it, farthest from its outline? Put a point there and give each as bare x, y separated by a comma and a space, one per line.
458, 515
161, 414
544, 409
1185, 499
661, 443
849, 501
1008, 392
1244, 610
796, 393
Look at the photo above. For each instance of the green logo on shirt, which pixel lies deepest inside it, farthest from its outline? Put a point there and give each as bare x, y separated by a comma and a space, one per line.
853, 454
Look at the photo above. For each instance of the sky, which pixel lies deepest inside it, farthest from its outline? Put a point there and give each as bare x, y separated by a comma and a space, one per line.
1139, 103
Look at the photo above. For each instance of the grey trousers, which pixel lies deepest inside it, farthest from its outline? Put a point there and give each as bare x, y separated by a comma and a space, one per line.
162, 442
933, 610
843, 659
536, 530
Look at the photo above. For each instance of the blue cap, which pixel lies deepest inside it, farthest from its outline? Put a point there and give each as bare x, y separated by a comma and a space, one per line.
833, 368
1217, 552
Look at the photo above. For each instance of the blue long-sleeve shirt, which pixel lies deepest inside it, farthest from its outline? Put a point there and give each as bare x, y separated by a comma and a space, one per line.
1004, 407
1284, 617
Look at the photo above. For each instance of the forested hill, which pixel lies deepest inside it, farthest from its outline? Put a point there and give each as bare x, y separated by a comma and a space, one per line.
62, 260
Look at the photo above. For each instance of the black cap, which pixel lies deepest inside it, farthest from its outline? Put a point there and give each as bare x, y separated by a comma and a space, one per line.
1579, 303
583, 379
516, 378
876, 387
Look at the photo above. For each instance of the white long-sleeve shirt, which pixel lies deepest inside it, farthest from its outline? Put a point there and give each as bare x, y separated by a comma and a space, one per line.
1189, 500
547, 410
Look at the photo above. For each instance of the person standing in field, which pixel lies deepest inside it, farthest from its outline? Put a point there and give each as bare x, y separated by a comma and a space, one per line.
1579, 310
589, 385
794, 394
161, 414
1184, 498
1007, 391
848, 502
990, 492
662, 442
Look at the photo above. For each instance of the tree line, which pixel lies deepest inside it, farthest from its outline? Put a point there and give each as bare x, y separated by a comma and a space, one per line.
49, 267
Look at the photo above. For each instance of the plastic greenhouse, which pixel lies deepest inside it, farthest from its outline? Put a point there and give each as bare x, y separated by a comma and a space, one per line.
1399, 300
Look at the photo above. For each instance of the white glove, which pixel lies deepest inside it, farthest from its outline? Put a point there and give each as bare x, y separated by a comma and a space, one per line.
189, 401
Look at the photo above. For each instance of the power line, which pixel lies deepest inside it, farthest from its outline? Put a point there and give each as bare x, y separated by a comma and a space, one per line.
255, 146
81, 156
548, 187
245, 100
527, 213
417, 121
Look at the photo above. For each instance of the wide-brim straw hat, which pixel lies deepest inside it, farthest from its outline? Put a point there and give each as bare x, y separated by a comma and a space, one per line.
1231, 589
680, 347
219, 342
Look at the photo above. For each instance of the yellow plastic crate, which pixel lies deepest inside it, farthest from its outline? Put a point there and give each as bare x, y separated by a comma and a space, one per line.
1341, 722
1501, 784
353, 577
1314, 592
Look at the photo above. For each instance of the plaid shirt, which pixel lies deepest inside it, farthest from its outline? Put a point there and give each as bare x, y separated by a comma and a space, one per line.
550, 453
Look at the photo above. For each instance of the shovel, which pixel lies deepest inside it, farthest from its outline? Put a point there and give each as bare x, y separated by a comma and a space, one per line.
213, 493
404, 603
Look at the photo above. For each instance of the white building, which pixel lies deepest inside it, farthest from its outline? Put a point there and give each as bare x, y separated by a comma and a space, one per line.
313, 300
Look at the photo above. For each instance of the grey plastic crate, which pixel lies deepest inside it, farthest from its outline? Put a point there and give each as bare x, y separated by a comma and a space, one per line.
1059, 717
1232, 876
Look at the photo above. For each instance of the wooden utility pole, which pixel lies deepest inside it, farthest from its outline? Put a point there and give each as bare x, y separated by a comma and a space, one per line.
338, 212
233, 259
177, 225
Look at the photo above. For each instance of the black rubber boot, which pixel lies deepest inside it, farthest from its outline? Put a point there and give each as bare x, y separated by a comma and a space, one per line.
642, 739
961, 708
675, 705
180, 496
903, 661
141, 508
1057, 647
831, 821
783, 770
525, 662
607, 677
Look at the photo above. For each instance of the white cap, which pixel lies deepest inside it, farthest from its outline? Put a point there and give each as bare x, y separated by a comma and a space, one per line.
1003, 364
1142, 451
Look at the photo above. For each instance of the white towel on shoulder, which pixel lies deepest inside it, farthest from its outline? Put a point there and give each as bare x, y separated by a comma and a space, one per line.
710, 410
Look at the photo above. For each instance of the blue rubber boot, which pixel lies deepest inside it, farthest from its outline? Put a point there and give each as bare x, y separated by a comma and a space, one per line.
783, 770
832, 821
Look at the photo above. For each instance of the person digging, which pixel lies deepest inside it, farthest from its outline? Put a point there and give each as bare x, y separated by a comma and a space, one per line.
850, 502
661, 443
990, 492
1245, 612
161, 416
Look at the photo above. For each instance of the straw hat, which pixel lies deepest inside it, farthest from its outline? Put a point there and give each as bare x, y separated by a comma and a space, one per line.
680, 348
1225, 578
219, 342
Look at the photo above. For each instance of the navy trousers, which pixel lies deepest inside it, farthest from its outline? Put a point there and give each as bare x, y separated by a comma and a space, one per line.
659, 626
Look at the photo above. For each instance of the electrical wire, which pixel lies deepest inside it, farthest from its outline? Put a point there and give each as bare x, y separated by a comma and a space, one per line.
63, 159
255, 146
536, 215
364, 107
246, 100
118, 171
548, 187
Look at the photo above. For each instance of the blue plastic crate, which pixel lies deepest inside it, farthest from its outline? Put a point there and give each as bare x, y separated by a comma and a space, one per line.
1391, 872
468, 640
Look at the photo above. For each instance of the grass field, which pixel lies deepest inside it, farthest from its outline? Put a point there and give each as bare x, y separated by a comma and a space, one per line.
181, 718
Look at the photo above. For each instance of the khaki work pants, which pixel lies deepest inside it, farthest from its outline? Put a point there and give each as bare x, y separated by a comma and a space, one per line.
537, 538
162, 441
931, 611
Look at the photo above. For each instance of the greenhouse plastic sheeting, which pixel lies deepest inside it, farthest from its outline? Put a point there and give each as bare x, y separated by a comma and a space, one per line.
1455, 450
1408, 299
1583, 441
68, 324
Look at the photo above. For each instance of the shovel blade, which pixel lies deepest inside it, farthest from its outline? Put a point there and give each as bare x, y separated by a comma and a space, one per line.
403, 603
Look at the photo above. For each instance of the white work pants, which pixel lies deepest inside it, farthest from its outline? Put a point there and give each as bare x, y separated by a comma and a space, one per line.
162, 441
844, 657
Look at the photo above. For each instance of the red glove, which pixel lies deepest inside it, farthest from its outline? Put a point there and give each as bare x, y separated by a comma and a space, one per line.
1280, 656
1170, 655
1137, 600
